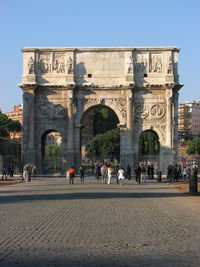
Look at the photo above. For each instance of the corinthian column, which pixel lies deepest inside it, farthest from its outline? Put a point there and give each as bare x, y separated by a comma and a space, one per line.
28, 124
169, 118
129, 122
70, 125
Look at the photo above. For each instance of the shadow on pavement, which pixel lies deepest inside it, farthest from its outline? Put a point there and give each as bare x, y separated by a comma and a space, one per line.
86, 195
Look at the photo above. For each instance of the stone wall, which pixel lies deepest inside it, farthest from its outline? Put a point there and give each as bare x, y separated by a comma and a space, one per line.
10, 154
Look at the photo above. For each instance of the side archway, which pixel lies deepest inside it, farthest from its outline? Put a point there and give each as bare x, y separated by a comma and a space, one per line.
149, 148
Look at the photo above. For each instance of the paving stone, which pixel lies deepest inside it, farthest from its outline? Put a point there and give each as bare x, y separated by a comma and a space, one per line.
50, 223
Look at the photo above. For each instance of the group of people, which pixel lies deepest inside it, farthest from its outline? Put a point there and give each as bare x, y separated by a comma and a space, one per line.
174, 173
105, 173
7, 172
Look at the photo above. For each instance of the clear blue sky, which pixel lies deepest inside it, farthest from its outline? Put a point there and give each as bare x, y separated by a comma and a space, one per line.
30, 23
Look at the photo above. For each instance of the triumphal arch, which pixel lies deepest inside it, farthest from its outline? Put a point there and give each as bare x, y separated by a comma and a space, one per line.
140, 84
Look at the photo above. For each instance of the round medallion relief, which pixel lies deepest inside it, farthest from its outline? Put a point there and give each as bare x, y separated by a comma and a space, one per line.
157, 111
141, 111
44, 111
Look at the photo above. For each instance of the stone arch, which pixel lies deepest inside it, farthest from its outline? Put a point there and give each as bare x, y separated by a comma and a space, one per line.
119, 111
77, 133
156, 130
42, 145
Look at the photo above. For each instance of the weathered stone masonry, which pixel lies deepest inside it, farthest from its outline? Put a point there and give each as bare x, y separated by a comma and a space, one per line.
140, 84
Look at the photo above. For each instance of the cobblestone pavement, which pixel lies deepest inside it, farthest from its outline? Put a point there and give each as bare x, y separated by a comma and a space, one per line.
50, 223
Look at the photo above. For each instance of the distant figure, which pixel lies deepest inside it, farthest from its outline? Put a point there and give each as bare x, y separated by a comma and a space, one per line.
149, 172
4, 173
12, 171
81, 173
27, 171
103, 174
195, 171
121, 175
116, 171
138, 172
152, 171
96, 172
34, 169
109, 171
143, 169
8, 170
128, 172
72, 175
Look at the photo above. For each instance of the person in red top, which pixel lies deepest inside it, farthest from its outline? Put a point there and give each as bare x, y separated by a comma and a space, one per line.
71, 178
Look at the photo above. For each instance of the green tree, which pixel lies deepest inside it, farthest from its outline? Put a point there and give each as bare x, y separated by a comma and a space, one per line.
104, 145
193, 146
148, 143
53, 154
7, 125
105, 120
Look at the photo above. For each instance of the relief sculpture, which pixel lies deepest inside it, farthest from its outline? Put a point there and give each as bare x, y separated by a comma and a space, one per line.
44, 111
59, 111
141, 64
156, 63
31, 66
43, 64
141, 111
169, 66
129, 65
69, 65
157, 111
59, 63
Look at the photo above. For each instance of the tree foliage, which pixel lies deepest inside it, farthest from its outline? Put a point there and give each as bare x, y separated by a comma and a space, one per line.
193, 146
53, 156
148, 143
104, 145
7, 125
105, 120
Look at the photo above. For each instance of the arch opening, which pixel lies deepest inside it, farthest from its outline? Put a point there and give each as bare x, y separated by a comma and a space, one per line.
99, 137
51, 152
149, 148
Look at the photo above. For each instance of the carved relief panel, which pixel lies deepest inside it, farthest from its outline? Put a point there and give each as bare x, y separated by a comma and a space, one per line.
151, 115
51, 111
44, 63
129, 63
141, 64
59, 62
156, 63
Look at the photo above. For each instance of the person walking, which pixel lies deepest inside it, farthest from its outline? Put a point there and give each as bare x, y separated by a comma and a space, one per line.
152, 171
81, 173
117, 174
96, 172
12, 171
4, 173
121, 175
71, 175
110, 171
143, 170
128, 172
103, 173
149, 172
138, 173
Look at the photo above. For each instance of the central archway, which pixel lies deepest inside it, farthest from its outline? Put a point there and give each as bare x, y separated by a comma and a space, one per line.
99, 136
